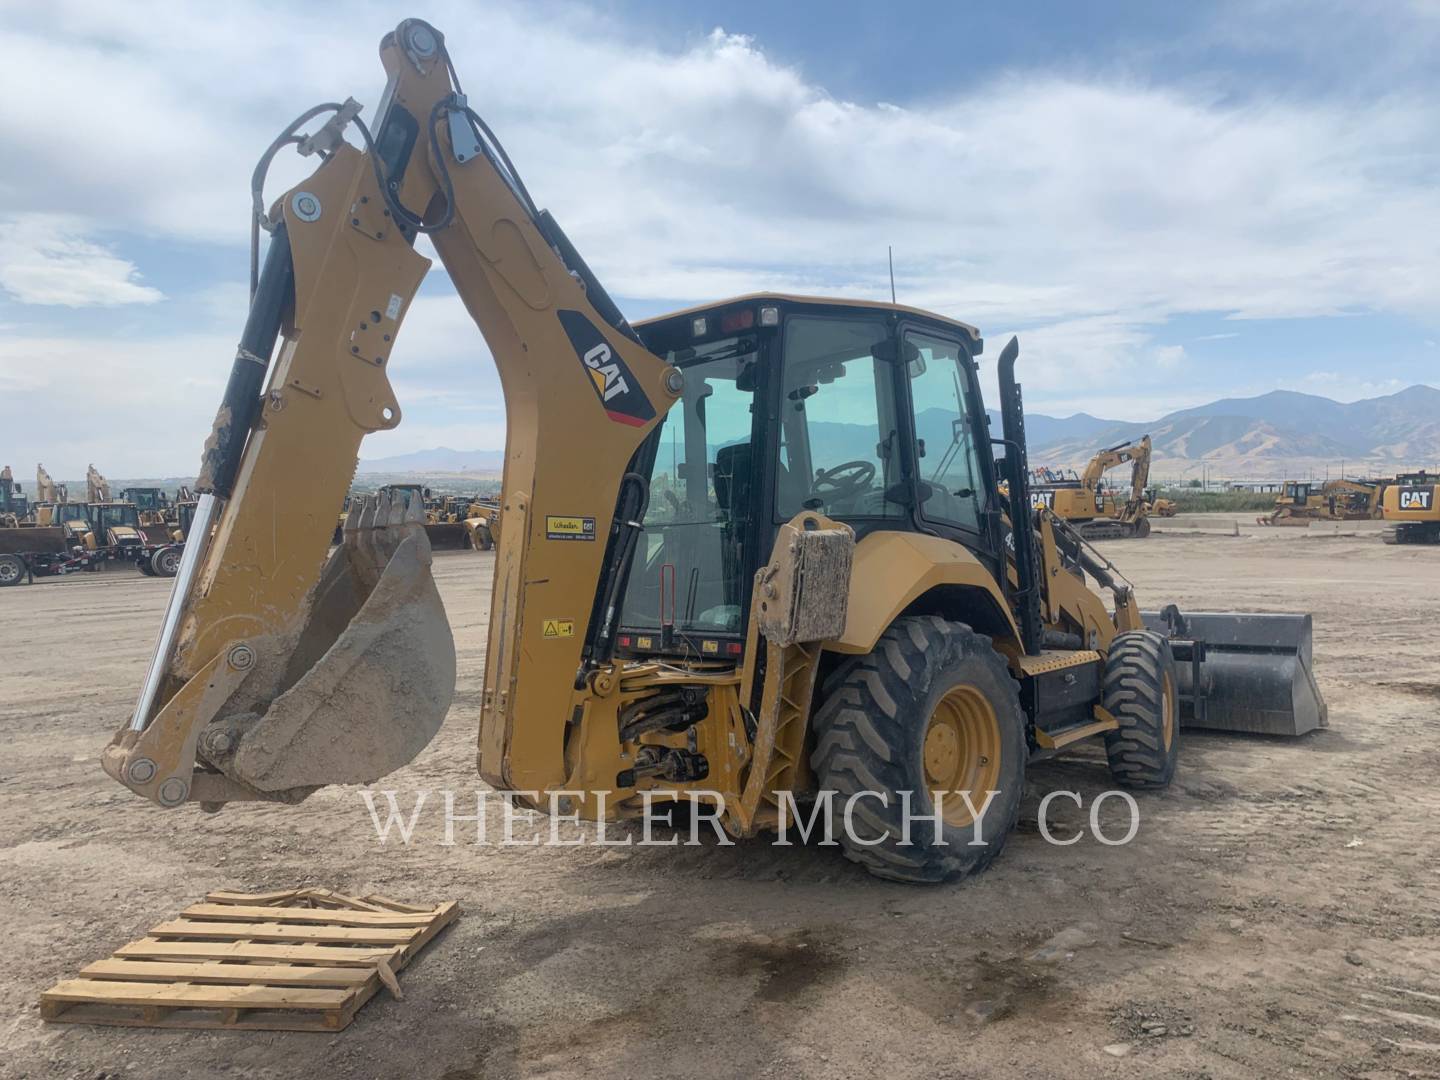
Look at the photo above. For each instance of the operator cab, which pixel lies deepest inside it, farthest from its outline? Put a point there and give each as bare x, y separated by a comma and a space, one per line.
114, 524
74, 518
147, 500
868, 413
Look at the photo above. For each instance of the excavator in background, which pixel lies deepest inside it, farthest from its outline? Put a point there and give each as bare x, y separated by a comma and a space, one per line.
1085, 503
1412, 515
1302, 502
698, 593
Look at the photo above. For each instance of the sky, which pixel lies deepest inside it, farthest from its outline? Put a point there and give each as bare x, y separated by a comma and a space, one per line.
1168, 203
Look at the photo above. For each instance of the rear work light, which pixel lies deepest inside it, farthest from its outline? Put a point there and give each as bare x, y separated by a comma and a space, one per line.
737, 320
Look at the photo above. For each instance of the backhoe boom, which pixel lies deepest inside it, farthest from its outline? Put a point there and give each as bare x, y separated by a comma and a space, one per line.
294, 695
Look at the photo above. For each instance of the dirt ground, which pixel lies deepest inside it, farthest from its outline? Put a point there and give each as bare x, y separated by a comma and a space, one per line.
1278, 913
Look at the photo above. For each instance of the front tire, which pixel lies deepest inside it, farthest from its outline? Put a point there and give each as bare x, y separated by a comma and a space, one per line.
1139, 691
932, 708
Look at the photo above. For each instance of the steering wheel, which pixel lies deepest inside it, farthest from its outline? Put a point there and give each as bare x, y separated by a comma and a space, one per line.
851, 478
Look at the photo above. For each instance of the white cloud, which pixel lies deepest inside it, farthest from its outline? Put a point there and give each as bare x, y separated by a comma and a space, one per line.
1346, 386
1170, 357
47, 259
1086, 208
134, 407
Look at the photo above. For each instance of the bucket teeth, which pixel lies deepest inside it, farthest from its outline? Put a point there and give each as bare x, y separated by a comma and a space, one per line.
375, 528
398, 506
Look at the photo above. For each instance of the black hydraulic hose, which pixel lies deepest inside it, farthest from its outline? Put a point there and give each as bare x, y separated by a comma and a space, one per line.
389, 189
257, 181
631, 504
599, 299
275, 290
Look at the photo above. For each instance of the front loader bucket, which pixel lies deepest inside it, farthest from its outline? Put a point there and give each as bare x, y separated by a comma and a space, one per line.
1243, 672
366, 684
446, 535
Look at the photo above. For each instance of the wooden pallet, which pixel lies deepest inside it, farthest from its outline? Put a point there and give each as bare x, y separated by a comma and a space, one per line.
300, 960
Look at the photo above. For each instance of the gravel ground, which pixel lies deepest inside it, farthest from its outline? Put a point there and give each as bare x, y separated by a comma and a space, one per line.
1276, 914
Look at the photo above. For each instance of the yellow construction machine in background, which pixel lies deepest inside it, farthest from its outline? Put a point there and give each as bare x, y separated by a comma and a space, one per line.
1085, 503
1412, 516
1302, 502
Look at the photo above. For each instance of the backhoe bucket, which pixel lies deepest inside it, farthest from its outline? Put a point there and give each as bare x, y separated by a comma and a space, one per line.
365, 685
1243, 672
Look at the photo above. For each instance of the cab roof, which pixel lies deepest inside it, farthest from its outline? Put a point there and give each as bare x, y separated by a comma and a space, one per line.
829, 301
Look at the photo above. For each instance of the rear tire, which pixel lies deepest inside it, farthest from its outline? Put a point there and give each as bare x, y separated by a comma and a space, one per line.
1139, 691
12, 570
165, 562
932, 707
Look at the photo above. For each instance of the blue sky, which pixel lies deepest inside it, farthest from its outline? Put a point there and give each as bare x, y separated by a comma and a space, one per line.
1169, 203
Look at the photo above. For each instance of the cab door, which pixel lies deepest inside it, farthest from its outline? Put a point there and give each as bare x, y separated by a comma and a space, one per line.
951, 440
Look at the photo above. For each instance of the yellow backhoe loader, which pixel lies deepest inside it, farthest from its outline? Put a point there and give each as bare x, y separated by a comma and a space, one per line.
697, 590
1411, 513
1085, 503
1302, 502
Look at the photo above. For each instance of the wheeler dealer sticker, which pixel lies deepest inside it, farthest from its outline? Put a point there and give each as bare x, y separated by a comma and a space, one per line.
569, 528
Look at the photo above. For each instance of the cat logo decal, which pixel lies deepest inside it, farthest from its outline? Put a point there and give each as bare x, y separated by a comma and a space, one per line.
620, 397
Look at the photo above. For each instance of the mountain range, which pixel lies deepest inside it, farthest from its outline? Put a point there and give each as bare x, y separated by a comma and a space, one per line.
1270, 435
1274, 431
441, 459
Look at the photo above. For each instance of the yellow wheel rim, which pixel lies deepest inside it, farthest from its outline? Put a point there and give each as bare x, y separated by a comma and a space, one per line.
1167, 712
961, 752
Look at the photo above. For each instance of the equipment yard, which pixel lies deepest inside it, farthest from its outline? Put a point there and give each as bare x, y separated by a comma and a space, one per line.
1278, 912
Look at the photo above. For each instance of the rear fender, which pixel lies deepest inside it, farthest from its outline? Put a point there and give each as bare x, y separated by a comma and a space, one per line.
895, 573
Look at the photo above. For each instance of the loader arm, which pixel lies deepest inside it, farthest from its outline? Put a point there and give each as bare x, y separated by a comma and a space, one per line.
280, 669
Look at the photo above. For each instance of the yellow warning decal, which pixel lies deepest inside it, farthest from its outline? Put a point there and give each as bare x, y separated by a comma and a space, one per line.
558, 628
560, 527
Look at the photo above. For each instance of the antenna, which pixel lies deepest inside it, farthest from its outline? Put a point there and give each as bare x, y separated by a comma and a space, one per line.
890, 254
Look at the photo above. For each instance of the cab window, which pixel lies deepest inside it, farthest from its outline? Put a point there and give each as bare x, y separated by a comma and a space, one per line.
839, 443
688, 571
948, 474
